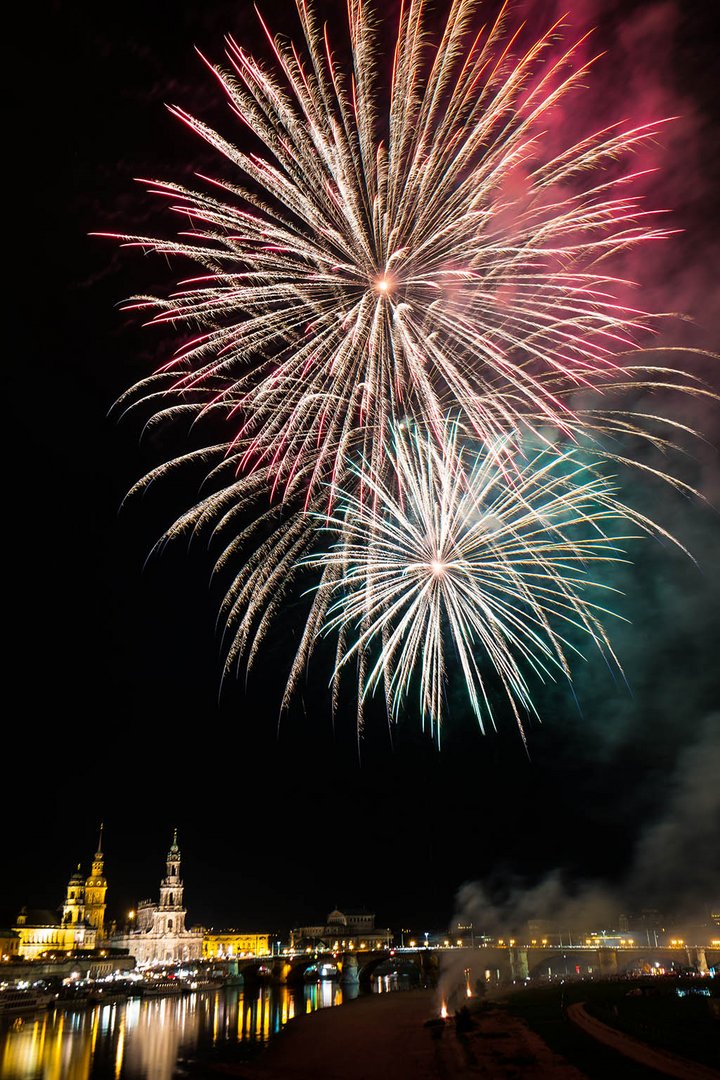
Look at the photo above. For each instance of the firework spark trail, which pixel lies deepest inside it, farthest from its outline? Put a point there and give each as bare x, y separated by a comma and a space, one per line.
410, 254
445, 555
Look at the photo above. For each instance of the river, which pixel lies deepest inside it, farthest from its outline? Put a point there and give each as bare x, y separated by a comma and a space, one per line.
147, 1038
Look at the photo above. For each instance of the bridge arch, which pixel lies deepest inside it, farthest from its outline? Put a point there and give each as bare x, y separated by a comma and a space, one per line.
409, 969
368, 967
257, 968
561, 963
299, 968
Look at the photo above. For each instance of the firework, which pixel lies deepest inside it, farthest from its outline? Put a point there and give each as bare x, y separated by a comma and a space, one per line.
349, 278
446, 555
410, 251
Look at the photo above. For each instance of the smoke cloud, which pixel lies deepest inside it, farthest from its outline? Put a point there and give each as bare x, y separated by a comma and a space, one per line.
676, 865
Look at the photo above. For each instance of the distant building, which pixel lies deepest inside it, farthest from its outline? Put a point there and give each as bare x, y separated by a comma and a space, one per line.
160, 935
9, 944
82, 923
342, 930
224, 944
650, 919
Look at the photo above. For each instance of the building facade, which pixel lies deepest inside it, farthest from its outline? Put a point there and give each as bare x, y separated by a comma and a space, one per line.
224, 944
160, 935
342, 930
42, 933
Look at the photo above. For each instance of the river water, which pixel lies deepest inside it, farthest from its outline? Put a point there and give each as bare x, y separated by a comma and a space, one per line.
148, 1038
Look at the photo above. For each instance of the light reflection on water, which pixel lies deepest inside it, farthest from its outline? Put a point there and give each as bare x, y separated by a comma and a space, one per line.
142, 1039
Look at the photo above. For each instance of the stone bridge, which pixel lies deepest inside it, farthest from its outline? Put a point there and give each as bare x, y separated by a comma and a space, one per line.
353, 968
496, 964
491, 964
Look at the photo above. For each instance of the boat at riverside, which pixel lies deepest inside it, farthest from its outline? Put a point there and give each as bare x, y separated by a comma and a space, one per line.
205, 984
15, 1002
162, 986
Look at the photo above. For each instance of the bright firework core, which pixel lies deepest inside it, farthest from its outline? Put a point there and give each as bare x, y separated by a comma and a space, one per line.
438, 568
384, 285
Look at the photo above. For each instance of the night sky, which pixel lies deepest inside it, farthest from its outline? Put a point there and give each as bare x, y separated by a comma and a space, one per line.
112, 685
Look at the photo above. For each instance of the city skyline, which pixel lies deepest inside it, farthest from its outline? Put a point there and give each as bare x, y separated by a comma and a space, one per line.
113, 923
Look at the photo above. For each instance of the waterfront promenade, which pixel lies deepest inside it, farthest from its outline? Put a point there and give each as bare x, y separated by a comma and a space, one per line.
385, 1035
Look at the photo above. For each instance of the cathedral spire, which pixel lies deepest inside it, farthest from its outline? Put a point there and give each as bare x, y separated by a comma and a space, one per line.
171, 912
96, 888
173, 861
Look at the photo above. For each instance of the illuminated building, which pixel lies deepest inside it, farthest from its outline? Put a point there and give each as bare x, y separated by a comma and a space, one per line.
82, 922
42, 932
160, 935
227, 943
9, 944
343, 930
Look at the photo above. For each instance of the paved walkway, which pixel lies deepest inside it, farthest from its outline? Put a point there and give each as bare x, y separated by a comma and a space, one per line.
660, 1060
385, 1037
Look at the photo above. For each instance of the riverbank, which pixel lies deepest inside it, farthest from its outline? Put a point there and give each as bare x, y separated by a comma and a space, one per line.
387, 1035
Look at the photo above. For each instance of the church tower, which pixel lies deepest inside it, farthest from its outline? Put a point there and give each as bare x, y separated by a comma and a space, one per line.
95, 889
74, 906
170, 916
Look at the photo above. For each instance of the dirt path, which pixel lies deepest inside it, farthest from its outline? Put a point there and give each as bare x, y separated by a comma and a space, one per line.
660, 1060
